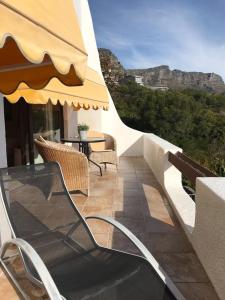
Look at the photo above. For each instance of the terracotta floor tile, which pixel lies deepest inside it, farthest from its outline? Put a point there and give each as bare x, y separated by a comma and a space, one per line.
102, 239
98, 226
164, 242
95, 201
139, 167
128, 204
103, 185
125, 173
134, 225
158, 211
80, 208
126, 168
197, 291
182, 267
166, 225
97, 210
79, 199
1, 272
128, 179
130, 185
144, 180
120, 242
133, 193
101, 192
7, 292
128, 200
130, 211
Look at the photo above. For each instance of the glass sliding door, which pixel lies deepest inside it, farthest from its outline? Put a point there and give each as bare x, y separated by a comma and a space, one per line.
47, 121
24, 123
17, 132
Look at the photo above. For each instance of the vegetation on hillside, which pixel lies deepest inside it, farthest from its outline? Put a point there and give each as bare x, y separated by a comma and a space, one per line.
193, 120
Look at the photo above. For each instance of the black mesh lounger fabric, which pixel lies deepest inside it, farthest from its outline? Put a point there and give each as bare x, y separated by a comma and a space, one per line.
42, 213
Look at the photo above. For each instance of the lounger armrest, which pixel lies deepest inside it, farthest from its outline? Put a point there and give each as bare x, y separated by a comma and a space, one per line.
141, 247
38, 264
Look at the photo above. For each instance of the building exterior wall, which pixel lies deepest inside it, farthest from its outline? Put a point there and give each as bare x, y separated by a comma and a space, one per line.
70, 121
208, 237
129, 141
139, 80
5, 233
3, 156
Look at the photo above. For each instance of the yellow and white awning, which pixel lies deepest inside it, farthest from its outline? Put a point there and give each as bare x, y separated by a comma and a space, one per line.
93, 94
40, 40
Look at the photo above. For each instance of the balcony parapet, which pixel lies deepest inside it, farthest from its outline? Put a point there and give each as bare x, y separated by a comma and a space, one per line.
203, 220
208, 236
156, 152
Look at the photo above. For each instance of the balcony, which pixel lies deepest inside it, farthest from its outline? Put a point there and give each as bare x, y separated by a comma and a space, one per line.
133, 196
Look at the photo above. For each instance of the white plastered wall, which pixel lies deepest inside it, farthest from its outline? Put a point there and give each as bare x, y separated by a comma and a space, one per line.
70, 121
208, 237
156, 154
203, 220
4, 226
3, 157
129, 141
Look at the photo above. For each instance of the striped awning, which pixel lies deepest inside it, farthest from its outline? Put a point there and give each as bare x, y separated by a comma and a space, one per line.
93, 94
40, 40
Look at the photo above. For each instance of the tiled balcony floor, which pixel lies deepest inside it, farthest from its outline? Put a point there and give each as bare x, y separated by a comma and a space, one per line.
133, 197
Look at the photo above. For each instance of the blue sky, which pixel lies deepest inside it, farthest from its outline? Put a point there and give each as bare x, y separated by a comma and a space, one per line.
184, 34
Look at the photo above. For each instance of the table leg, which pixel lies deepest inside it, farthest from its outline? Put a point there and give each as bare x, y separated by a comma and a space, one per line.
86, 151
97, 165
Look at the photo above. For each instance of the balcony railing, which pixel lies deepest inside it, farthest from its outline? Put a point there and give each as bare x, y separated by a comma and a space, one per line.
188, 167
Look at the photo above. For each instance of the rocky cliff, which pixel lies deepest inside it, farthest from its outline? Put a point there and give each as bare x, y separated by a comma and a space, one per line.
162, 76
112, 69
159, 77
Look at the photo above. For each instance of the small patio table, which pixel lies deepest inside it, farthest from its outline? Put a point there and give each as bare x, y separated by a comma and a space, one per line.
84, 146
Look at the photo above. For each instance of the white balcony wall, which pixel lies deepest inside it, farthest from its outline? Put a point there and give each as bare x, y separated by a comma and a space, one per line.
208, 237
4, 225
3, 157
203, 220
156, 154
129, 141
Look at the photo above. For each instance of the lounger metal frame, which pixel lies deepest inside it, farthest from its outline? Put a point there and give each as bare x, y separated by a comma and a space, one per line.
46, 278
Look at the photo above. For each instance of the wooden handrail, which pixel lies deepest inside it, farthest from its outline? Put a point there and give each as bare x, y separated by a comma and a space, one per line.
189, 168
196, 165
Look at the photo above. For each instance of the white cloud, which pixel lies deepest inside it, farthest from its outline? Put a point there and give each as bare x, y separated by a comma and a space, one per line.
113, 39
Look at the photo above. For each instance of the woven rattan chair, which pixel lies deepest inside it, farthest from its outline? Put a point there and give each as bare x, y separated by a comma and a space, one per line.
74, 164
58, 250
104, 152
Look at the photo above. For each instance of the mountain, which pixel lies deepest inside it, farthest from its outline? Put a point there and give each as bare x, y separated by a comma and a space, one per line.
112, 69
160, 77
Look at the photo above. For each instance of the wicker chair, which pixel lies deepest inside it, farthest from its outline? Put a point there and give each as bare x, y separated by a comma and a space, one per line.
74, 164
104, 152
